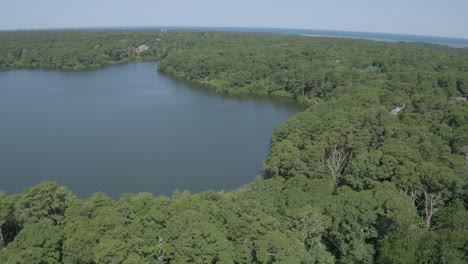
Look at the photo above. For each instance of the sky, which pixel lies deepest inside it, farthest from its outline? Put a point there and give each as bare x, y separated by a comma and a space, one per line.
447, 18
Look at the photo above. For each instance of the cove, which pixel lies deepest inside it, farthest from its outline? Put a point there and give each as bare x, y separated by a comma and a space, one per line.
130, 129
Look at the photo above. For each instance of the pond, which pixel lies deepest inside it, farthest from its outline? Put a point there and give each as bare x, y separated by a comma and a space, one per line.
128, 128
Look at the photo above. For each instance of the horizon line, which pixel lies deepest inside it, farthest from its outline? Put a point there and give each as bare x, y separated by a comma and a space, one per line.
220, 27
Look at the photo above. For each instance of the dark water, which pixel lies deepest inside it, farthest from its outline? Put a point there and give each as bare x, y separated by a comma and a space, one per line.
128, 128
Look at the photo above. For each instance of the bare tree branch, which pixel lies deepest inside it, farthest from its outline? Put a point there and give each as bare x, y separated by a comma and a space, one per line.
2, 242
160, 252
335, 159
432, 203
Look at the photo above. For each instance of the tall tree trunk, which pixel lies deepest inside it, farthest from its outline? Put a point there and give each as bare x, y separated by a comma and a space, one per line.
432, 203
464, 150
160, 252
335, 159
2, 243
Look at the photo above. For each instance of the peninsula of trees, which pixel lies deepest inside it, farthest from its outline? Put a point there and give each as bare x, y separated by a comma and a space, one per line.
374, 171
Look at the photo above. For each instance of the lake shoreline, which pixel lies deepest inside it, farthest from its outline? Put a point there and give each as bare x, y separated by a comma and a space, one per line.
121, 124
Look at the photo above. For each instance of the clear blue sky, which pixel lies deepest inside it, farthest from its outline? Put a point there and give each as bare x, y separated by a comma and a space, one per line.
421, 17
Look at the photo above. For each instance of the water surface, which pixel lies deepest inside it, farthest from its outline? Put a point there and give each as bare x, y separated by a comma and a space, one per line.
128, 128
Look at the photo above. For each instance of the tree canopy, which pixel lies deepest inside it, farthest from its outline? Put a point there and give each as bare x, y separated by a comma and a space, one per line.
374, 171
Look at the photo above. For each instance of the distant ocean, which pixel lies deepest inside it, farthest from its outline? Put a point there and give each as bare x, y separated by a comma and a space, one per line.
452, 42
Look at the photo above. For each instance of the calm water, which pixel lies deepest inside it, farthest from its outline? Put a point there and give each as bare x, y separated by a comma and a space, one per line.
128, 128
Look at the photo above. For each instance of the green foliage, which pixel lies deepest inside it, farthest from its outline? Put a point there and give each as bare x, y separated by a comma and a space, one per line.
77, 50
36, 243
346, 181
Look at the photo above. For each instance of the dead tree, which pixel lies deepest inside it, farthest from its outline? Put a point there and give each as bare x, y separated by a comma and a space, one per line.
2, 242
464, 150
432, 203
160, 252
335, 159
397, 110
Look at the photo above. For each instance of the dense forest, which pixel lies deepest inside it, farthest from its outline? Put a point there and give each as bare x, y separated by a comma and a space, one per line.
374, 171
